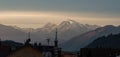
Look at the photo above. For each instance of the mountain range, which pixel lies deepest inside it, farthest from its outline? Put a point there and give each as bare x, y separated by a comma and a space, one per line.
84, 39
66, 30
72, 35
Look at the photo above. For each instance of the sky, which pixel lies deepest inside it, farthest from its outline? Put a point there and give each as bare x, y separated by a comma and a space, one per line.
36, 13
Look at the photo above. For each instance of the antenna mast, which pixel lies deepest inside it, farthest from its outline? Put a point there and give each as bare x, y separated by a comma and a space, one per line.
56, 38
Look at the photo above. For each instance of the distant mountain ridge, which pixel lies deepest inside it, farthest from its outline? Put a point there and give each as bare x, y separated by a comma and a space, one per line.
83, 40
66, 30
14, 45
110, 41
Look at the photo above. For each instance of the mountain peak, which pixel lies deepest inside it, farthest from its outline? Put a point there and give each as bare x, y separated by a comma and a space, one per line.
68, 22
71, 21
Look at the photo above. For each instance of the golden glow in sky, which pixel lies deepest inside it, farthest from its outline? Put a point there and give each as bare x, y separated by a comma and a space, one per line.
38, 19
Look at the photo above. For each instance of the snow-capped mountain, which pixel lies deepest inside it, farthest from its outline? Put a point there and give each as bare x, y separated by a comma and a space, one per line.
81, 41
71, 28
66, 30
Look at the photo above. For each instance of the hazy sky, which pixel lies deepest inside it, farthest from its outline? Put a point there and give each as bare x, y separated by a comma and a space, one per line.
35, 13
